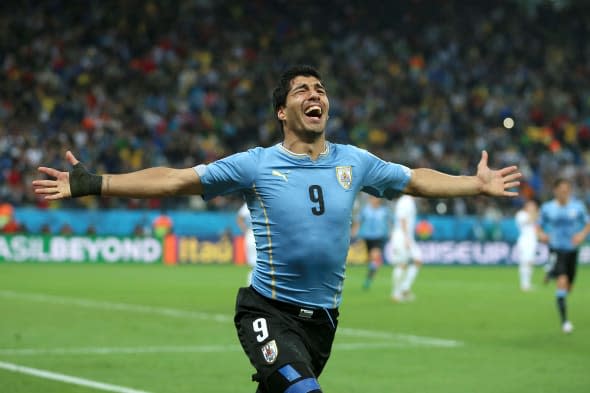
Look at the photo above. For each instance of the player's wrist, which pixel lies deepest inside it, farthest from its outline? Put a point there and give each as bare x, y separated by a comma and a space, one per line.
84, 183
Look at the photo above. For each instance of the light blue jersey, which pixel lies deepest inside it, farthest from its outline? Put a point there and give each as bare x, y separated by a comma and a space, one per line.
562, 222
374, 222
301, 213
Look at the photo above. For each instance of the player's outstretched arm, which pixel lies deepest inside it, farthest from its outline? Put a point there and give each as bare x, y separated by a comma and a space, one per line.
430, 183
146, 183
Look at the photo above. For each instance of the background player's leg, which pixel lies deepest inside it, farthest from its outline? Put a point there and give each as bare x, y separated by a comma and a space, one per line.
397, 278
525, 271
561, 296
406, 286
375, 260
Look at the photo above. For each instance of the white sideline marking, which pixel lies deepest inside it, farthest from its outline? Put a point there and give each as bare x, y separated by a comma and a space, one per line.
409, 338
173, 349
111, 306
118, 350
176, 313
67, 378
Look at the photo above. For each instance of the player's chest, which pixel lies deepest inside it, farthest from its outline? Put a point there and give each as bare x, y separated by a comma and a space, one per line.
564, 215
310, 190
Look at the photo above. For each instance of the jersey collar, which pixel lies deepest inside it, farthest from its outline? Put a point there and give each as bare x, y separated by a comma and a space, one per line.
304, 155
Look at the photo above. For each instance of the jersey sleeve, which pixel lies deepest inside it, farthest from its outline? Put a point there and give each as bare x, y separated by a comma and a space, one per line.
383, 179
230, 174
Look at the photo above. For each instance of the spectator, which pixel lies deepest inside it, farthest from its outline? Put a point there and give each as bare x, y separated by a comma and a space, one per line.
190, 85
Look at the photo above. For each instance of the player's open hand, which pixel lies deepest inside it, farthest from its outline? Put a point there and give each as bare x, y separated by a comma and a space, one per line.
59, 187
497, 182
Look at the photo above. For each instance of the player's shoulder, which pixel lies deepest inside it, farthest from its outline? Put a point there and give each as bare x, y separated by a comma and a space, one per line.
578, 203
346, 149
258, 150
354, 155
407, 199
259, 153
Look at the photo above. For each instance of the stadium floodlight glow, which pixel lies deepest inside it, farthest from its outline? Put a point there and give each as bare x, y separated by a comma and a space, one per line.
441, 208
508, 123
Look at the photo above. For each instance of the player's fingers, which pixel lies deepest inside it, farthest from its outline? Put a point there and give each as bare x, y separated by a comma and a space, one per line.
510, 193
512, 184
71, 159
53, 197
484, 159
46, 190
49, 171
44, 183
512, 177
508, 170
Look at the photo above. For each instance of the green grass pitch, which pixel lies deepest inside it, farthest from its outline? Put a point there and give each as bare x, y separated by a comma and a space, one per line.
165, 329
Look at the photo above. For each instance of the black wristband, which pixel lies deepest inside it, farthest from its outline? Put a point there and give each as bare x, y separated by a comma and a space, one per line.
83, 182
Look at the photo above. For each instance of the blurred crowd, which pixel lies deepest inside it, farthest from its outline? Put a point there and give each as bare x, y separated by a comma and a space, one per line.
129, 84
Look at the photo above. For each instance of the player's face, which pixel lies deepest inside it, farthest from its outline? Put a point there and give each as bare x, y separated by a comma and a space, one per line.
306, 107
562, 192
531, 207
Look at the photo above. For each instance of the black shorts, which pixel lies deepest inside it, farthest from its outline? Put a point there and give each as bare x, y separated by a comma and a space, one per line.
563, 262
375, 243
276, 334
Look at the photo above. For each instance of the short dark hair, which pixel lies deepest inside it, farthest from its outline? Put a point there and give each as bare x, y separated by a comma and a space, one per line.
561, 180
279, 94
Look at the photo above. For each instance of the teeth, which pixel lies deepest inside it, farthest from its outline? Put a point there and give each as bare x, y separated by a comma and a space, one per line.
314, 109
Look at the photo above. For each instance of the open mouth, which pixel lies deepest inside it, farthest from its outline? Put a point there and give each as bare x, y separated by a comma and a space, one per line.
314, 111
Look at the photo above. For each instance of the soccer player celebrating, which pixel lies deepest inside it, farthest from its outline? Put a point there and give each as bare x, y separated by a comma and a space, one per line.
526, 245
564, 224
300, 193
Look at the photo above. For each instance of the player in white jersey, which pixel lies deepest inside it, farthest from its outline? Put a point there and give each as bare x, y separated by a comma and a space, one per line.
402, 250
526, 245
245, 223
300, 193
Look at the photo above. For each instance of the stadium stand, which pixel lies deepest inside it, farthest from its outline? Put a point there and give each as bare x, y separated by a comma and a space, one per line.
129, 84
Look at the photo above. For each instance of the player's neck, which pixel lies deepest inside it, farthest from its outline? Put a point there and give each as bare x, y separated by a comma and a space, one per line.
562, 202
313, 147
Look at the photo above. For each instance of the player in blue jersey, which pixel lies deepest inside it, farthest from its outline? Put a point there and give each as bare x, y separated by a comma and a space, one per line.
300, 193
564, 224
373, 225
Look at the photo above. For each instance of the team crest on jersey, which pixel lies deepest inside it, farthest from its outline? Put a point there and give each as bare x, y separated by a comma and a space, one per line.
344, 176
270, 351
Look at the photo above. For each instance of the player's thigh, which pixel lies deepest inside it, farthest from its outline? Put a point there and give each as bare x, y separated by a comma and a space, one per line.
275, 348
562, 259
571, 268
397, 251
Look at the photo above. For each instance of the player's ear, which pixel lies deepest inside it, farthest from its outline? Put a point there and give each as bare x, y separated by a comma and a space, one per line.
281, 115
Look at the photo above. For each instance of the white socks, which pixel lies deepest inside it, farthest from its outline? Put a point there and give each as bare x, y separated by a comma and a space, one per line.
525, 272
411, 273
397, 277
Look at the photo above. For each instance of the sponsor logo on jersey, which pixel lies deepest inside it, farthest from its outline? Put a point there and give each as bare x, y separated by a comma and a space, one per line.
344, 176
280, 174
270, 351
